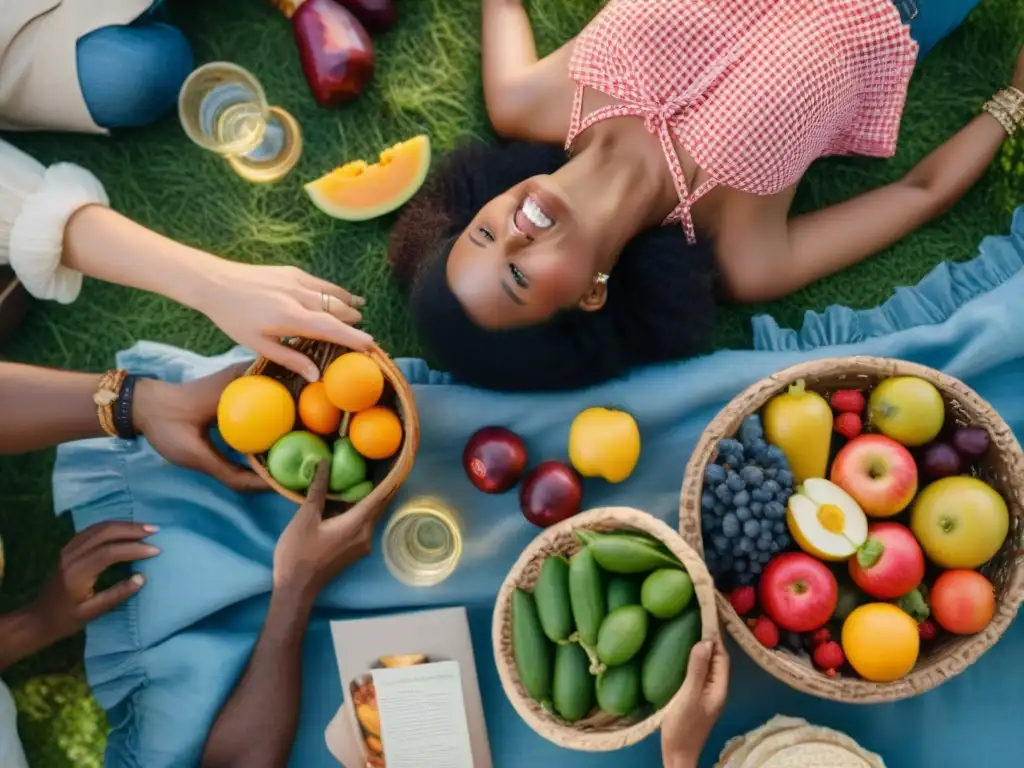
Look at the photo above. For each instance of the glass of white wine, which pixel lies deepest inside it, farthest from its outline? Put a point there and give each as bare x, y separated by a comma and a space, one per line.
423, 542
223, 109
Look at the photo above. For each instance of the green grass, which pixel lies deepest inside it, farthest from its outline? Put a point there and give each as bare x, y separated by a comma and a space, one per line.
427, 79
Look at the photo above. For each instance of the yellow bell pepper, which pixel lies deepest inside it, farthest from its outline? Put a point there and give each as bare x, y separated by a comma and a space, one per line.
799, 423
604, 443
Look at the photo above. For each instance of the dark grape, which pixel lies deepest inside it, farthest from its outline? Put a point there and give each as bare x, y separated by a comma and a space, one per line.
724, 494
720, 542
740, 498
775, 457
783, 540
715, 474
731, 525
755, 567
764, 557
751, 529
766, 528
747, 545
756, 507
739, 565
774, 511
779, 527
734, 482
791, 640
784, 478
763, 544
774, 548
743, 514
753, 476
751, 429
771, 486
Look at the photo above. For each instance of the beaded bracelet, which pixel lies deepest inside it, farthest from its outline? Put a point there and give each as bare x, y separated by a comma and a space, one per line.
1007, 107
107, 393
123, 409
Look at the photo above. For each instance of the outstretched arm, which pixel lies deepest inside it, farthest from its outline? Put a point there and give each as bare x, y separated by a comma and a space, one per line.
526, 99
310, 552
770, 261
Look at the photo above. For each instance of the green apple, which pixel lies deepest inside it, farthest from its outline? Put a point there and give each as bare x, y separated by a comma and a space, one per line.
357, 492
348, 468
907, 409
293, 459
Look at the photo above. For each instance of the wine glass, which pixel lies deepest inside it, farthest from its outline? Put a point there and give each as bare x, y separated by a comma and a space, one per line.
223, 109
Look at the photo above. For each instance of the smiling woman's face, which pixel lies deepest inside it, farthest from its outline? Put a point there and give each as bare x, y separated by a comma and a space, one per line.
525, 256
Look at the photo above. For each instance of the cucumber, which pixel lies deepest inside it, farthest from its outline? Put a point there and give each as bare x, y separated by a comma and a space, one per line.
666, 593
618, 689
622, 590
573, 686
624, 554
586, 595
530, 647
587, 536
622, 635
552, 597
664, 666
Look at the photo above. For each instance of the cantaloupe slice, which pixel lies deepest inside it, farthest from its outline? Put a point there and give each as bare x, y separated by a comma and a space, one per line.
358, 191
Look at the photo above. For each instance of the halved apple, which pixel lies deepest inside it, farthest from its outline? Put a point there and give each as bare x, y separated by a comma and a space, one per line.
825, 521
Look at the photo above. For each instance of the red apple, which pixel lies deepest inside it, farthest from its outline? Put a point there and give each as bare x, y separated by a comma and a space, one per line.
889, 564
494, 459
878, 472
335, 50
551, 493
375, 15
798, 592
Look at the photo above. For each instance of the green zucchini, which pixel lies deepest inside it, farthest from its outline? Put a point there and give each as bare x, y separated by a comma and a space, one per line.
552, 597
586, 595
573, 686
664, 666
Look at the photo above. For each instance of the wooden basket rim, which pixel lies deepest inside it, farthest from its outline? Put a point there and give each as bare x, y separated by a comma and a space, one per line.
546, 725
786, 668
403, 462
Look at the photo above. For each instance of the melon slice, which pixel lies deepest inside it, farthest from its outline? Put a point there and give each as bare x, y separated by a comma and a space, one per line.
358, 191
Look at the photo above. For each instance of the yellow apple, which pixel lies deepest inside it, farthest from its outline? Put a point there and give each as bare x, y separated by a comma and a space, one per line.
960, 522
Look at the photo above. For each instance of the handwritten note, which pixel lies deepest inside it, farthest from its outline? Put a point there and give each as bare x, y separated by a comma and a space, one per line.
423, 716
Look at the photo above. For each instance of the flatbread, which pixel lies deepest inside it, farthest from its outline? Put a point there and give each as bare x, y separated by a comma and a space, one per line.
785, 742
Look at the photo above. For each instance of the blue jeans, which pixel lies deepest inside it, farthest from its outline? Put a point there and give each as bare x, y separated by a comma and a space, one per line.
931, 21
130, 75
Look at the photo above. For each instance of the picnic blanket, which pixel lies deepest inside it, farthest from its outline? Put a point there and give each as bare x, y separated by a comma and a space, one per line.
163, 664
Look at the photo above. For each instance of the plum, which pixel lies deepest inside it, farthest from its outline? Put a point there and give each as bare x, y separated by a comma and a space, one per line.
971, 442
376, 15
335, 50
940, 460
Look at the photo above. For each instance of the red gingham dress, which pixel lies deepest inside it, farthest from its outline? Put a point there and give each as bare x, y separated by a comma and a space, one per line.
753, 90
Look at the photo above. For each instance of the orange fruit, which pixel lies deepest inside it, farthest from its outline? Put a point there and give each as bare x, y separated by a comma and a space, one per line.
881, 642
376, 432
354, 382
316, 410
254, 412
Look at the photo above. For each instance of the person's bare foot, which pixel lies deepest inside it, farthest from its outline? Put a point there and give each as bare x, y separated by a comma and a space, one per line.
14, 301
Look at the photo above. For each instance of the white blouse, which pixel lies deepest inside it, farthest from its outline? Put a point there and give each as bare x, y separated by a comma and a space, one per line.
35, 205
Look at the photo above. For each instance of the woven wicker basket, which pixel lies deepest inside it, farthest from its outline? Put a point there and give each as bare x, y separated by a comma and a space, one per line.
602, 733
790, 742
1003, 468
387, 475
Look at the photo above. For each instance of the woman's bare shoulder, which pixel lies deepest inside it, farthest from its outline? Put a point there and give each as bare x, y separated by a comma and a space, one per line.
537, 105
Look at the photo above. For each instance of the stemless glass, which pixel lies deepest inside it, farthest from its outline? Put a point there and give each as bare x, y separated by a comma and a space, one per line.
223, 109
423, 542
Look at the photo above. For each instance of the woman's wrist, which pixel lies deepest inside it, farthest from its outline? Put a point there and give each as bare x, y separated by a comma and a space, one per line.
682, 761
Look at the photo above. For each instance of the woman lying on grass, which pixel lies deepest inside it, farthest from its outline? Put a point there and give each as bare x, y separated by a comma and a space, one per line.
596, 246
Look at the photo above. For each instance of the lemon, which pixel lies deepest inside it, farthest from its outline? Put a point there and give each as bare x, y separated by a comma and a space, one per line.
907, 409
254, 412
881, 642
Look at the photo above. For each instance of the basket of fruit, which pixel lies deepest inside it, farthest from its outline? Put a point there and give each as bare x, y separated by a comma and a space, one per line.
862, 519
360, 416
594, 624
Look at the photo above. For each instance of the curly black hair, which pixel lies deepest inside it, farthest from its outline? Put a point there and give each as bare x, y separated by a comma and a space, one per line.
660, 303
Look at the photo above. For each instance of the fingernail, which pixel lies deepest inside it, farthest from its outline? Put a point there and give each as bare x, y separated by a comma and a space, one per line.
153, 550
311, 374
138, 579
151, 528
358, 301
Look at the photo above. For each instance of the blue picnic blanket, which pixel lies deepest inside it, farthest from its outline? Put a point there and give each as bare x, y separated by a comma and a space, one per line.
163, 664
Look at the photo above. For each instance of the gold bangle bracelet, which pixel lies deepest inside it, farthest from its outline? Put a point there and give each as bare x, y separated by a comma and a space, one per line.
107, 392
1000, 113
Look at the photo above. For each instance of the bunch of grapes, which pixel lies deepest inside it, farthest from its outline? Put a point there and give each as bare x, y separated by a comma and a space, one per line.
743, 507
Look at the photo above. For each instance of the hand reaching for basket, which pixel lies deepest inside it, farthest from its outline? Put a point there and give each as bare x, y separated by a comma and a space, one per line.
258, 305
176, 418
689, 721
312, 551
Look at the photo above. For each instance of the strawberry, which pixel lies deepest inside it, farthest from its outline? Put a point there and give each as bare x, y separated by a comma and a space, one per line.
766, 632
848, 401
743, 600
829, 673
927, 629
820, 636
828, 655
849, 425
